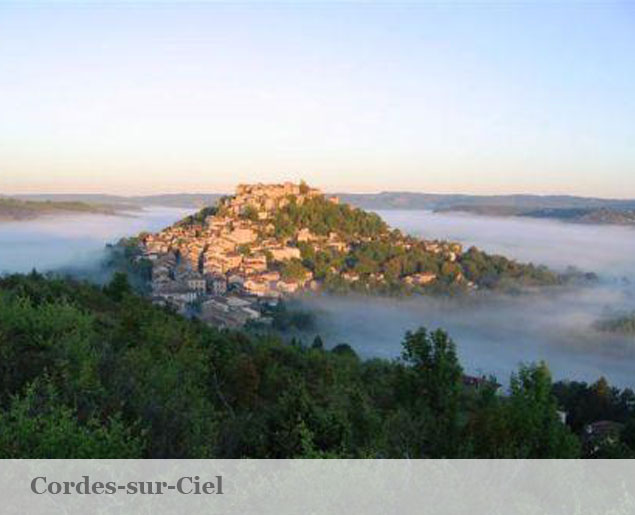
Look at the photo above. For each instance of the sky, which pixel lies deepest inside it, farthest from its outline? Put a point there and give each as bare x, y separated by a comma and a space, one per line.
460, 97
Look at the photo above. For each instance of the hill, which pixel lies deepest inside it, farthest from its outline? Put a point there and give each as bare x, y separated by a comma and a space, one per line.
14, 209
561, 207
231, 260
620, 324
195, 200
413, 200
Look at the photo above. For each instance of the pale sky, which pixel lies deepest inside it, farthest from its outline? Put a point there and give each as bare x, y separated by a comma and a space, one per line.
171, 97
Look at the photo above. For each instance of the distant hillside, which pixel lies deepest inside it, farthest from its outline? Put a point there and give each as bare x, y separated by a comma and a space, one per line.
600, 215
169, 200
591, 216
178, 199
621, 324
14, 209
561, 207
409, 200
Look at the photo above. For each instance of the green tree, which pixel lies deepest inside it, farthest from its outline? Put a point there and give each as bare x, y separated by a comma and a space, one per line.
250, 213
118, 287
37, 425
433, 386
344, 349
532, 413
317, 343
293, 270
432, 356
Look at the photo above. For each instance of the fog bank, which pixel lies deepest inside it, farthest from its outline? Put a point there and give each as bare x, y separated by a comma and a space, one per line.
73, 242
606, 249
495, 333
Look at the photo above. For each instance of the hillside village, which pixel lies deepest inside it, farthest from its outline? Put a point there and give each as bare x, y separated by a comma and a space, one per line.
232, 261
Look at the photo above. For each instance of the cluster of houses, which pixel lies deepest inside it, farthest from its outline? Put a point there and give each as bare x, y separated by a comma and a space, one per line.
227, 265
221, 299
223, 265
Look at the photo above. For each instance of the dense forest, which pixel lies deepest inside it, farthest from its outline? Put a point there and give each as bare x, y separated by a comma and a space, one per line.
100, 372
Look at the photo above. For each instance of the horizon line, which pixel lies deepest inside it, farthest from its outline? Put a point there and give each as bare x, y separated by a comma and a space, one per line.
326, 192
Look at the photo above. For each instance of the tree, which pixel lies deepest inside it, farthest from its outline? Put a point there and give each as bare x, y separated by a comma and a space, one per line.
433, 386
293, 270
250, 213
36, 425
532, 413
118, 287
344, 349
84, 376
433, 358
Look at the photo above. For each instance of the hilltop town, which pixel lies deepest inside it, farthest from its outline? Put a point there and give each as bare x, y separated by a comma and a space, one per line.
232, 262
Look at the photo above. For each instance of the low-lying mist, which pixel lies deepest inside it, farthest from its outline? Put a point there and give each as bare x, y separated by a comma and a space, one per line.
73, 244
608, 250
494, 333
